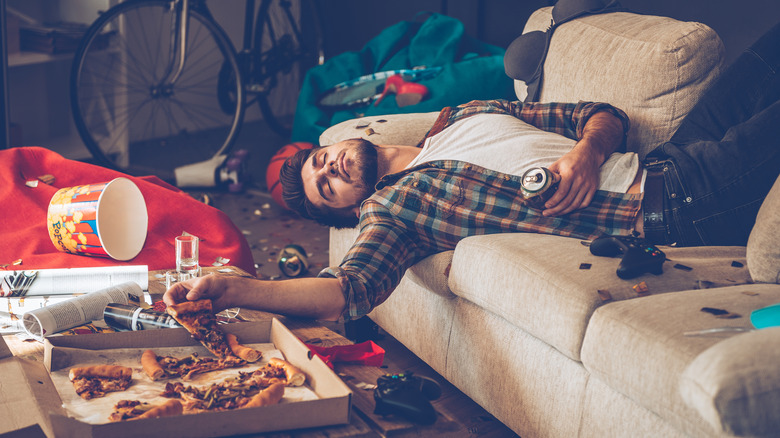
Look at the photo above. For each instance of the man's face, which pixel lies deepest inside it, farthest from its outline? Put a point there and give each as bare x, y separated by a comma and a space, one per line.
340, 175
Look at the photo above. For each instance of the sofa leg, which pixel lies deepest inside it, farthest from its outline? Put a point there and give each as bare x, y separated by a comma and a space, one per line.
361, 330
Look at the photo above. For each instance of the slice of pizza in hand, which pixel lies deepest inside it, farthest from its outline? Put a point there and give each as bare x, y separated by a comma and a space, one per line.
98, 380
199, 319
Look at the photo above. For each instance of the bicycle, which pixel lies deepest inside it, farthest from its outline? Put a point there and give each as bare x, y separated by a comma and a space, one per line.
146, 82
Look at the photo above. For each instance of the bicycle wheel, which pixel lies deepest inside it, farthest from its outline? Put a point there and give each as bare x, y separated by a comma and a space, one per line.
129, 114
288, 41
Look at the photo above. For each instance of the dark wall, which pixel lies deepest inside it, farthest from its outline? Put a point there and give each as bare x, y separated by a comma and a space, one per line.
351, 23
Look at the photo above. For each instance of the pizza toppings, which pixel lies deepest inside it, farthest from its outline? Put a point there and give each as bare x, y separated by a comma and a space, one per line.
199, 319
259, 388
136, 410
166, 367
98, 380
262, 387
230, 394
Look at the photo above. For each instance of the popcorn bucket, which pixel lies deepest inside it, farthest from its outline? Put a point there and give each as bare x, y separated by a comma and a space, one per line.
105, 219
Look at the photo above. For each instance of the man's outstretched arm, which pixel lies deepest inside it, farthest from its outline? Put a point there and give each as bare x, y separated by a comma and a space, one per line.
317, 298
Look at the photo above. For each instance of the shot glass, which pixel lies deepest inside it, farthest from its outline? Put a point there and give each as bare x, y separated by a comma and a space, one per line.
187, 255
187, 263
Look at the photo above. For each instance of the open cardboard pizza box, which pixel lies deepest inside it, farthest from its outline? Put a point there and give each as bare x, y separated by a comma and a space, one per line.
30, 395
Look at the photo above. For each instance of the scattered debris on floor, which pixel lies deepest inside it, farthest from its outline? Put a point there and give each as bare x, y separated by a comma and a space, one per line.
269, 229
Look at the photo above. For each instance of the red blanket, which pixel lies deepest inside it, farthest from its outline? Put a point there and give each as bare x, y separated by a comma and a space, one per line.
24, 234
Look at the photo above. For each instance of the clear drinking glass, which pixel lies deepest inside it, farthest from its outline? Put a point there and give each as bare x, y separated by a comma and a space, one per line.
187, 264
187, 260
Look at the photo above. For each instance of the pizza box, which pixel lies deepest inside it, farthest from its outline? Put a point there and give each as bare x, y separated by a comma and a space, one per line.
36, 387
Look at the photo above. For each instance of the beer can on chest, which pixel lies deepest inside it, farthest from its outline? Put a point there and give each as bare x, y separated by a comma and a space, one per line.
539, 184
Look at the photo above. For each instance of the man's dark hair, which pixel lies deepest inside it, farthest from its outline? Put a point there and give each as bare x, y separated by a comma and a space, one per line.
295, 198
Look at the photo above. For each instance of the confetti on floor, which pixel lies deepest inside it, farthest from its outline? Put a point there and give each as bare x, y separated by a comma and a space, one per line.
268, 228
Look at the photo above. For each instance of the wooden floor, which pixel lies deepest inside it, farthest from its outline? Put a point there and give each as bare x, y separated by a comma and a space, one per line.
459, 415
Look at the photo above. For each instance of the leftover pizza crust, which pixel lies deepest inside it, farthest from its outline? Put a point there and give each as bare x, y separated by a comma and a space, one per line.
98, 380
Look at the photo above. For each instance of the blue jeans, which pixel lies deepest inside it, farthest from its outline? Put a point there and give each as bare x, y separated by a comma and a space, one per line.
725, 156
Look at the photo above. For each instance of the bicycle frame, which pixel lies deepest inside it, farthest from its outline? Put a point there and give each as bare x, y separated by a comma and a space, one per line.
178, 40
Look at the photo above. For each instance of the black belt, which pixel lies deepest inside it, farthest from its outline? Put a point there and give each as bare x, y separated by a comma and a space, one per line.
653, 208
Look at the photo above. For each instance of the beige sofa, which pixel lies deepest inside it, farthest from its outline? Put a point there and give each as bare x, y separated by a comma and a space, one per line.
551, 348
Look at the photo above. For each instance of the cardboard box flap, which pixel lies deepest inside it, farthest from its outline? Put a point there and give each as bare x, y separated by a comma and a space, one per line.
319, 376
27, 395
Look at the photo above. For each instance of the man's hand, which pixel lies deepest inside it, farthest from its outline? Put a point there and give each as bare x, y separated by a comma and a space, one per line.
579, 168
579, 179
213, 287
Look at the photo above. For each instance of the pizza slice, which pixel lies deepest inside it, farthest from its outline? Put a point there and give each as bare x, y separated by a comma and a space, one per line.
199, 319
137, 410
98, 380
166, 367
227, 395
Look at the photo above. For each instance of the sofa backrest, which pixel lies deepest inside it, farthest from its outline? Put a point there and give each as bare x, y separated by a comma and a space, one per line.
654, 68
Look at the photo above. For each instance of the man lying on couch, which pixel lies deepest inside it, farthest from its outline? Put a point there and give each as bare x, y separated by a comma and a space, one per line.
703, 187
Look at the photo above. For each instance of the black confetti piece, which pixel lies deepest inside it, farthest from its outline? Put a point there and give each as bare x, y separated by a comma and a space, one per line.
714, 311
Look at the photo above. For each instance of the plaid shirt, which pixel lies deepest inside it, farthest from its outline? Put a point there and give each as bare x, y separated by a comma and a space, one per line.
429, 208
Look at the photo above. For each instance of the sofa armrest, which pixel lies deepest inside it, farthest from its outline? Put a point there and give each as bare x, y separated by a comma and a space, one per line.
391, 129
763, 247
735, 384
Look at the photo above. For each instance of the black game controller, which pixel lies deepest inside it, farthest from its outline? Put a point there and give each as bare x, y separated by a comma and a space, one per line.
407, 395
638, 256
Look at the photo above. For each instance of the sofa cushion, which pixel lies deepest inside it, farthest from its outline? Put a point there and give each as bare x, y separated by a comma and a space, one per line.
763, 247
654, 68
639, 348
392, 129
735, 384
540, 283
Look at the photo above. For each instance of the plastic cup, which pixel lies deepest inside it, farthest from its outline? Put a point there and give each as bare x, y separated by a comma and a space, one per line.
104, 219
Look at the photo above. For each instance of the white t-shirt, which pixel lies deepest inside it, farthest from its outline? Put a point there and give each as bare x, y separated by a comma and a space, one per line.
506, 144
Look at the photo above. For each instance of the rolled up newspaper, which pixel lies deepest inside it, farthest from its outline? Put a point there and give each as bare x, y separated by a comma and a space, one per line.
80, 310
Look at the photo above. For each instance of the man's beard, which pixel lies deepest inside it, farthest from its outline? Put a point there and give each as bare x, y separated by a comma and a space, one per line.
366, 164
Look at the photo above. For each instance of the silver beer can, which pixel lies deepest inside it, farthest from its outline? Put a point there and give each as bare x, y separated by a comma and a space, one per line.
539, 184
